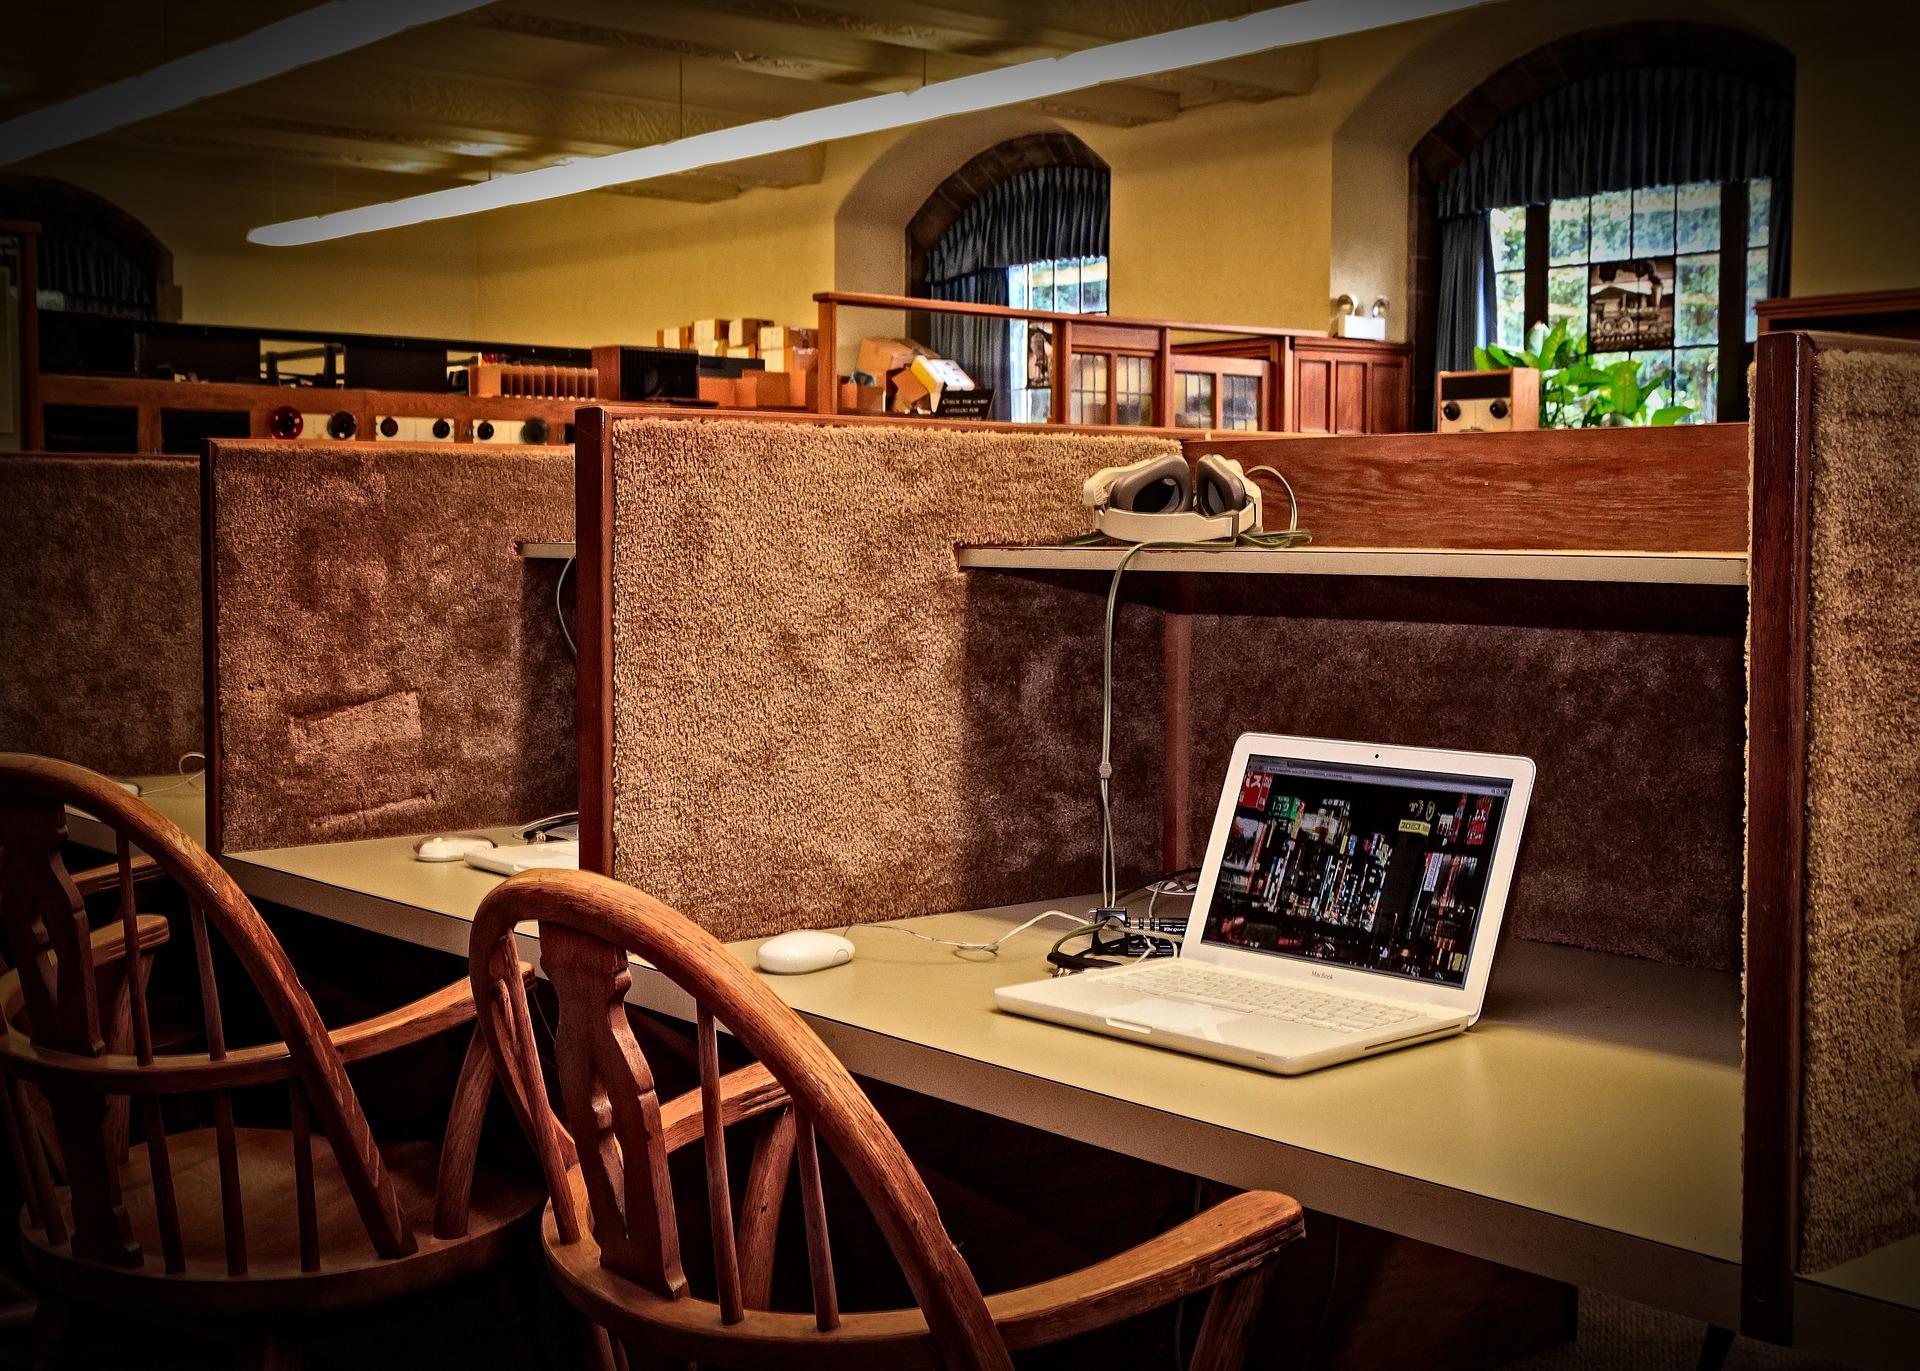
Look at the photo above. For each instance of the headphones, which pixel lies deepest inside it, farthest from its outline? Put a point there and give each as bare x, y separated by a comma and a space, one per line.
1162, 499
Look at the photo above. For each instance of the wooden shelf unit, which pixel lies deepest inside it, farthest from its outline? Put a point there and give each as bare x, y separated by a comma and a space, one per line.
1655, 568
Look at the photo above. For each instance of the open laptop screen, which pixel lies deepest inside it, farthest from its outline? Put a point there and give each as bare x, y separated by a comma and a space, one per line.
1371, 868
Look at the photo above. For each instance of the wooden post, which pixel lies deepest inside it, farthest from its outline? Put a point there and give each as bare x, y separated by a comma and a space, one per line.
826, 362
1062, 367
1163, 383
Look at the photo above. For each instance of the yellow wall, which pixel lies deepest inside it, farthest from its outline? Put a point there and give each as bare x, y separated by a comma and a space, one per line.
1238, 213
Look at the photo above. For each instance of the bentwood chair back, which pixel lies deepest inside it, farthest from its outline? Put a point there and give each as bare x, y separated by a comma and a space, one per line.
612, 1236
223, 1219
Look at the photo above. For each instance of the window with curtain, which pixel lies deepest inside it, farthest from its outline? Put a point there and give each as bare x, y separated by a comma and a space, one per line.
1717, 236
1683, 172
1037, 220
1066, 285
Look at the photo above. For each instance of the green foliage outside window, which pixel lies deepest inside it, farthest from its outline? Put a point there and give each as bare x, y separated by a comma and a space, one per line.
1577, 392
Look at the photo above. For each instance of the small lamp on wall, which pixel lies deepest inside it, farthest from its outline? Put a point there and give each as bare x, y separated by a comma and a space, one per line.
1349, 322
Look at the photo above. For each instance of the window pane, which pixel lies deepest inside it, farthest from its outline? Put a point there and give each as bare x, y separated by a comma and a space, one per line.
1093, 286
1039, 406
1698, 226
1510, 291
1652, 220
1133, 390
1696, 318
1066, 286
1756, 287
1612, 226
1017, 287
1088, 399
1196, 401
1759, 208
1567, 240
1697, 381
1567, 298
1509, 227
1656, 368
1040, 285
1240, 403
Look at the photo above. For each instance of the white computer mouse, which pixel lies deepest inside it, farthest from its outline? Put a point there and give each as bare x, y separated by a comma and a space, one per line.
449, 848
795, 954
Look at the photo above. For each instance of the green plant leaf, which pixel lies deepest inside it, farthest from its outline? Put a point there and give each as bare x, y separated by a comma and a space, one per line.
1669, 414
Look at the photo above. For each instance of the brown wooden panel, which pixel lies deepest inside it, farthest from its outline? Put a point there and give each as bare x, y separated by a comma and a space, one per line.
1349, 397
1387, 397
1681, 489
1099, 335
1313, 384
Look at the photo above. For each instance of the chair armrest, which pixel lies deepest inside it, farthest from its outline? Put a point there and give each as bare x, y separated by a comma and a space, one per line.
744, 1093
98, 878
110, 942
1235, 1235
446, 1008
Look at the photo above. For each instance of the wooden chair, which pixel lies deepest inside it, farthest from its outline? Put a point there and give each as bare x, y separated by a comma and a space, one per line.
248, 1224
609, 1161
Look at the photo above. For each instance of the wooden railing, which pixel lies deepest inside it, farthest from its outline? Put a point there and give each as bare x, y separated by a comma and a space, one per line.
1268, 353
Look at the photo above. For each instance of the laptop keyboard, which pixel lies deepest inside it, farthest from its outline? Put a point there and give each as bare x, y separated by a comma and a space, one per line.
1182, 980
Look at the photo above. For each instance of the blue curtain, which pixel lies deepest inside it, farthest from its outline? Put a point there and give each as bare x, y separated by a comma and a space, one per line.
93, 274
1649, 126
1038, 215
1466, 305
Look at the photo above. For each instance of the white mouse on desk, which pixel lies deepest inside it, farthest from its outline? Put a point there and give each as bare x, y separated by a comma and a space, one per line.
795, 954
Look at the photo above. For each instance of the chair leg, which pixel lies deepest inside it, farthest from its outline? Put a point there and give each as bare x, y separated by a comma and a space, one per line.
272, 1350
52, 1324
1229, 1322
1714, 1349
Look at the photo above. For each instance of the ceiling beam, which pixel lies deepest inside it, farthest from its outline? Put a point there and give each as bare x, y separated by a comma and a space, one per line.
788, 49
326, 30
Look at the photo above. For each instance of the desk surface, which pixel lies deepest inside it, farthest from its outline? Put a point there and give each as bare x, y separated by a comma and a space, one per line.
1587, 1129
182, 799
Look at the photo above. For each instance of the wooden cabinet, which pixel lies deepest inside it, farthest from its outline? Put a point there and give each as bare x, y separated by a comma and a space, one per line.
1348, 385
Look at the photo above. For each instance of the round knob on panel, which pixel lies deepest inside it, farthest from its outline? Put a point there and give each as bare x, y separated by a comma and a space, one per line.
534, 432
342, 425
483, 431
1451, 409
566, 434
285, 422
442, 429
1498, 409
389, 426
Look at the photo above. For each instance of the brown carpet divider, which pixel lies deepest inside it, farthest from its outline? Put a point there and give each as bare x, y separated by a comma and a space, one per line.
100, 609
1860, 1144
384, 660
1630, 700
817, 718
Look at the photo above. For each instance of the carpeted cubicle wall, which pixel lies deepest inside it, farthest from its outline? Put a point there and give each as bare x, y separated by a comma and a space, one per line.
1860, 1144
818, 719
100, 609
1629, 698
386, 663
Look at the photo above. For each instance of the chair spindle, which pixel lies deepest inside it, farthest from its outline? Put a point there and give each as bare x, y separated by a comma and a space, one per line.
826, 1304
165, 1207
231, 1213
726, 1260
760, 1208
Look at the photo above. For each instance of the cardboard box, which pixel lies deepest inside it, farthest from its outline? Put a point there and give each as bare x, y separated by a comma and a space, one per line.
711, 348
740, 350
859, 399
918, 389
745, 332
718, 389
785, 336
881, 357
709, 331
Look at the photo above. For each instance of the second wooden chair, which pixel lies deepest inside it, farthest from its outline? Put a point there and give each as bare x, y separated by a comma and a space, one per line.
611, 1233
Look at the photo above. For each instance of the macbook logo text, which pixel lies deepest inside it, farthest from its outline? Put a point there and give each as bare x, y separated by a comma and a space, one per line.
1322, 975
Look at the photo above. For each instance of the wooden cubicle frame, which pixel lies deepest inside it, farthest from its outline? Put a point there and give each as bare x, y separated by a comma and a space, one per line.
31, 432
1779, 627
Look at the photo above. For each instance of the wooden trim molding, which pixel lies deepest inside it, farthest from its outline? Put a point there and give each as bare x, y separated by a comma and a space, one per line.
593, 616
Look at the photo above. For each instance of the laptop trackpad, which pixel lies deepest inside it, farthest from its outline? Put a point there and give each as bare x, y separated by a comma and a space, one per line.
1172, 1016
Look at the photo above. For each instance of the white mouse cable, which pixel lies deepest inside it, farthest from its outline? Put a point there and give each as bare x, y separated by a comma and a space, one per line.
993, 946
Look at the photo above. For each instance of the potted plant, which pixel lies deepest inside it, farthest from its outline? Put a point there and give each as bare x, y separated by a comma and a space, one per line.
1576, 392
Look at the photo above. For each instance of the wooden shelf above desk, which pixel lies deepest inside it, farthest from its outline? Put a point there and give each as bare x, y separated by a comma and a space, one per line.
1657, 568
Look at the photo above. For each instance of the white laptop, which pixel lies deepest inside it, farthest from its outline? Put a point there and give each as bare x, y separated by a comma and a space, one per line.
1349, 905
559, 854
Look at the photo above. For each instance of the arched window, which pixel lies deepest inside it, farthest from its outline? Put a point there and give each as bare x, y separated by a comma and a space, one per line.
94, 257
1025, 224
1628, 187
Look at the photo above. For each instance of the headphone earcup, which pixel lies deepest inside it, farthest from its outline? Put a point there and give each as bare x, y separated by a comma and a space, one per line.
1219, 488
1159, 485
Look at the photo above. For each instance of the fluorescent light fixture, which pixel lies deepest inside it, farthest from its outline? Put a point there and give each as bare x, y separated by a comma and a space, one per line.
311, 36
1304, 22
